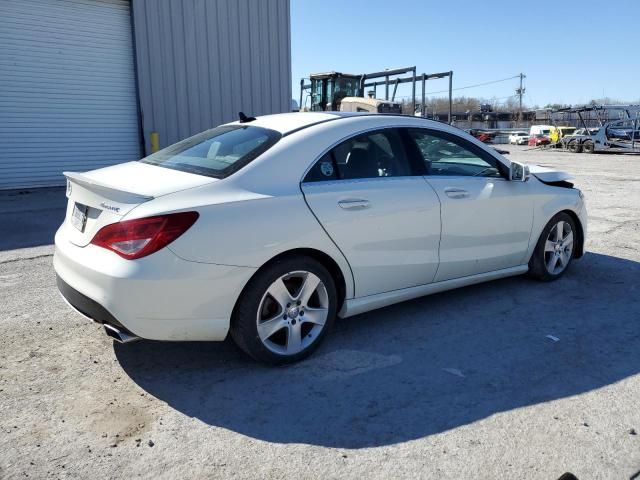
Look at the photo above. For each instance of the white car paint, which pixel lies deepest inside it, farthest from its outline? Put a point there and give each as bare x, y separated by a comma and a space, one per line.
394, 249
405, 252
548, 174
519, 138
480, 232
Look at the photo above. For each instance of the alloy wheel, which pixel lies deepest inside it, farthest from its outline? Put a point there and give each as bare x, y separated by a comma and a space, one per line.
292, 313
558, 248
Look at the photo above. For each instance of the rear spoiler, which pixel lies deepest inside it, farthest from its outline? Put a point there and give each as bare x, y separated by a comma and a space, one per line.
124, 196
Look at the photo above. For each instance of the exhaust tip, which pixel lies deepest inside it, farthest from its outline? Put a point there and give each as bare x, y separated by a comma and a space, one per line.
120, 336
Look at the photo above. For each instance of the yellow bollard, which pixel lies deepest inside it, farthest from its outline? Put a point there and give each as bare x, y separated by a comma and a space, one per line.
155, 142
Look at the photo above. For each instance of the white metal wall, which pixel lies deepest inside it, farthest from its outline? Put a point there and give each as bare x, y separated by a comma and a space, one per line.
67, 89
200, 62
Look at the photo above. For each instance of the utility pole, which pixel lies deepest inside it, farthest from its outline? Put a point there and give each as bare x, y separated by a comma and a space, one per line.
520, 93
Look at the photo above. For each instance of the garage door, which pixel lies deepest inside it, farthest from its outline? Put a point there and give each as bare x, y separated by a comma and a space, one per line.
67, 89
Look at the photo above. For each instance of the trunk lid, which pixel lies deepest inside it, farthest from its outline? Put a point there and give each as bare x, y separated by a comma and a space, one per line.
100, 197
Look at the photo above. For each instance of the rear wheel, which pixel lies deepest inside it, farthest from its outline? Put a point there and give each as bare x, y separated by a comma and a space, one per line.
554, 250
285, 311
587, 147
574, 147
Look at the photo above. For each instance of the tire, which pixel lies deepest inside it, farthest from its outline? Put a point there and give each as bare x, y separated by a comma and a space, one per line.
285, 311
587, 147
574, 147
554, 251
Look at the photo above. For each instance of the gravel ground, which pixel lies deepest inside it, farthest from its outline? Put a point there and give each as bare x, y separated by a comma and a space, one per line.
464, 384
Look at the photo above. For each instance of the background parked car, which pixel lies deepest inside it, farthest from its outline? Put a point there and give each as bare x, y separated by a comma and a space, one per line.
575, 141
538, 139
558, 133
518, 138
483, 135
539, 135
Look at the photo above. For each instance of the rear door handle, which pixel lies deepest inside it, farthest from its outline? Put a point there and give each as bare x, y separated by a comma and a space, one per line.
354, 204
456, 193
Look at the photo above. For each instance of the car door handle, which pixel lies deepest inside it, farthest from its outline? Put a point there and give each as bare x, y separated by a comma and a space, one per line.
354, 204
456, 193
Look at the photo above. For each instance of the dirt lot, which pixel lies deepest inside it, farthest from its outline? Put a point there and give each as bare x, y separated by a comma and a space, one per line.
463, 384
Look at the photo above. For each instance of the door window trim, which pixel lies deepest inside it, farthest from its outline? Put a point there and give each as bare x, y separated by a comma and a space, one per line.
464, 143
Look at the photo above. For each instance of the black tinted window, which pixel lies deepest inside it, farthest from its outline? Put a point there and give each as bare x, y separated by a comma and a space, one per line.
369, 155
323, 169
447, 155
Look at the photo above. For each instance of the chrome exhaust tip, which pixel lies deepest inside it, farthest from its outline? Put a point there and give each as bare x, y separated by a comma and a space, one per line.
120, 336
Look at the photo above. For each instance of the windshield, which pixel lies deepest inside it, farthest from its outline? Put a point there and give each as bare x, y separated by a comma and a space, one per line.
217, 152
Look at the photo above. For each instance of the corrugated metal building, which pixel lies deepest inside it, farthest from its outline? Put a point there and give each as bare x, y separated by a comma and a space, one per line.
83, 83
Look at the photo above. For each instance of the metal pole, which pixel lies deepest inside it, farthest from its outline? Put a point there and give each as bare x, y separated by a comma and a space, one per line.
424, 83
520, 93
413, 92
386, 87
301, 92
155, 142
450, 96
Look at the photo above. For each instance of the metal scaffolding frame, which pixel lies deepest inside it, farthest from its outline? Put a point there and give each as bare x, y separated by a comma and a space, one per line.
388, 81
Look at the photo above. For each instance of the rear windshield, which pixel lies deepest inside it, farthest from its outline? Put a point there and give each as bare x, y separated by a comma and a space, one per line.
217, 152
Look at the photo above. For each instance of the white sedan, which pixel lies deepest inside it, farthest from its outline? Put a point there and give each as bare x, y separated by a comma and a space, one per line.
519, 138
270, 228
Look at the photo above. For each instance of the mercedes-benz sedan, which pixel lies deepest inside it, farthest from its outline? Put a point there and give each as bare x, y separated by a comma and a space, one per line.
270, 228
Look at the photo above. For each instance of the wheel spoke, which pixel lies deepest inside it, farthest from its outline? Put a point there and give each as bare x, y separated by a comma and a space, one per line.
566, 256
309, 286
549, 246
567, 240
278, 290
268, 328
317, 316
294, 339
559, 230
551, 264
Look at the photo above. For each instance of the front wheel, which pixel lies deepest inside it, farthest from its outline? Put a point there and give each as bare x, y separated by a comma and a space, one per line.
554, 250
574, 147
285, 311
587, 147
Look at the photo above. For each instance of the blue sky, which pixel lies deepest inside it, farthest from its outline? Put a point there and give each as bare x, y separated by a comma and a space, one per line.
571, 51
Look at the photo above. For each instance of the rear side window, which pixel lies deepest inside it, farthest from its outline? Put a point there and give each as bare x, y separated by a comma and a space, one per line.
217, 152
369, 155
323, 170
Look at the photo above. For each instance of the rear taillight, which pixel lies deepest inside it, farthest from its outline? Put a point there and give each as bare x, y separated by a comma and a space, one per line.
138, 238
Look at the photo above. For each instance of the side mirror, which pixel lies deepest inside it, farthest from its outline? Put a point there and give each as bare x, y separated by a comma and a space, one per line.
518, 172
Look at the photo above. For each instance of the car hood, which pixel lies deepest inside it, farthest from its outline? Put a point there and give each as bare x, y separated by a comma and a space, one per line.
548, 174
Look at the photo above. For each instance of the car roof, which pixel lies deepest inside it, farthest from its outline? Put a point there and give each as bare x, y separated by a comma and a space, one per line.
286, 123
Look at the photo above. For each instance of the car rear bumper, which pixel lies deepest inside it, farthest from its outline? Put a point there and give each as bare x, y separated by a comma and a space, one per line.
159, 297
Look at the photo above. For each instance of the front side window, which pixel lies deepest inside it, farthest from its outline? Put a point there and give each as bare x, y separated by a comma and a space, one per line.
369, 155
445, 154
217, 152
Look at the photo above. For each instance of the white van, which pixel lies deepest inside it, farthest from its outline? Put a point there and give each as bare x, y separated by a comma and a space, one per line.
540, 130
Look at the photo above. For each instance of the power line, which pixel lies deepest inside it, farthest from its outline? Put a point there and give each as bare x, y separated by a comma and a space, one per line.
474, 86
